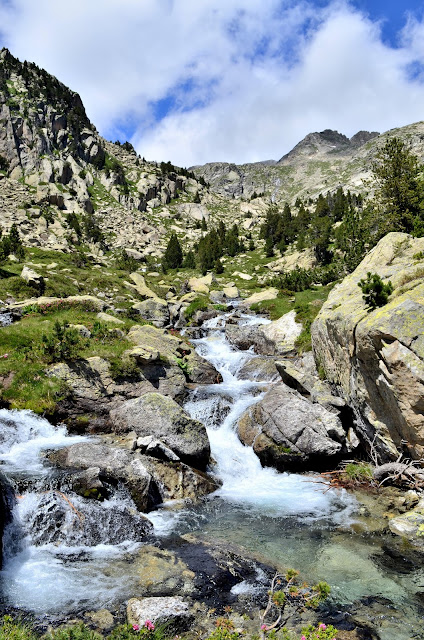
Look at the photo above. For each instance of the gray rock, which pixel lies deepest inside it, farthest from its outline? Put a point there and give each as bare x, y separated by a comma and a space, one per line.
287, 431
259, 369
157, 415
172, 611
33, 278
113, 463
376, 358
153, 310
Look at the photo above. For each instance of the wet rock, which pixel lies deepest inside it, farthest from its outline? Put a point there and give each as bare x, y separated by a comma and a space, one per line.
410, 525
242, 337
115, 464
65, 519
88, 483
7, 502
172, 611
162, 573
178, 481
102, 619
259, 369
288, 432
157, 415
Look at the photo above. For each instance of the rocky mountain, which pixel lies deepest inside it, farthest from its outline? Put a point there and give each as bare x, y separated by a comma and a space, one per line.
321, 162
59, 176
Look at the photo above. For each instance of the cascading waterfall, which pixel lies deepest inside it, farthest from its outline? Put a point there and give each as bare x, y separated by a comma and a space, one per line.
60, 558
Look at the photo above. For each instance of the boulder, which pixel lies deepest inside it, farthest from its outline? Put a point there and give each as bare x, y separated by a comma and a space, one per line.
288, 432
113, 463
109, 319
174, 353
267, 294
278, 337
410, 525
140, 286
172, 611
376, 358
178, 481
33, 278
160, 572
259, 369
231, 292
153, 310
157, 415
200, 285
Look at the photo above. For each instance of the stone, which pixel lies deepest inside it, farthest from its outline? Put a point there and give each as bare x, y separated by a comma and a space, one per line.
82, 330
157, 415
288, 432
32, 278
243, 276
279, 337
113, 463
178, 481
267, 294
140, 286
106, 317
162, 573
217, 297
172, 611
102, 619
153, 310
231, 292
376, 358
259, 369
410, 525
200, 285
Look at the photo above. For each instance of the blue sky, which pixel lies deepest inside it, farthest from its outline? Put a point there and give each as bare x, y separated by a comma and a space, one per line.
239, 80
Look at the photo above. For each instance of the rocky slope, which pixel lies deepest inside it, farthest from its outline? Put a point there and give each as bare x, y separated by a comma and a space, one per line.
376, 358
321, 162
59, 178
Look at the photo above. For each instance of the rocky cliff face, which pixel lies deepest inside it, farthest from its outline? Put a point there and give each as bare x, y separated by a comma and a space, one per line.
54, 163
376, 358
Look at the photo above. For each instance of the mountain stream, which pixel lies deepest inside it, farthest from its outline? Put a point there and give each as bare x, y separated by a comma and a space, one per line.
287, 520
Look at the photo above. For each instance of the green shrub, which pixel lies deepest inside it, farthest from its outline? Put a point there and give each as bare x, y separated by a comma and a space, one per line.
76, 632
375, 292
124, 369
358, 472
199, 304
64, 343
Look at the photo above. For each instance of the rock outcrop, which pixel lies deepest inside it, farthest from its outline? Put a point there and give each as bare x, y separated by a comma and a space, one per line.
376, 358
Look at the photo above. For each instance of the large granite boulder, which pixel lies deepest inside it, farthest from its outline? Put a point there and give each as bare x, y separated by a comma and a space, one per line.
157, 415
173, 352
114, 464
153, 310
172, 611
289, 432
376, 358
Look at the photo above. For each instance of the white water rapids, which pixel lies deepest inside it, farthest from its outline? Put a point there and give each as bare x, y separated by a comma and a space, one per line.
286, 519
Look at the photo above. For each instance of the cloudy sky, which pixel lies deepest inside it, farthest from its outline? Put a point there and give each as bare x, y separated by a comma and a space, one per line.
195, 81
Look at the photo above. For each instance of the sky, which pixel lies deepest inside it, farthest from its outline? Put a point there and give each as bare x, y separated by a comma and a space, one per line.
195, 81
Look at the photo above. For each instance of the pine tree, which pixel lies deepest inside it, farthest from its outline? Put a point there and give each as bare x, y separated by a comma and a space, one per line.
173, 256
189, 261
399, 193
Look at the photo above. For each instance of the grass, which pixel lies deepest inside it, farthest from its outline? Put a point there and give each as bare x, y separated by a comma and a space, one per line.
23, 362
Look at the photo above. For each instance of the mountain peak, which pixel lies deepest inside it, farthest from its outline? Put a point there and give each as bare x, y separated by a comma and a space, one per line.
327, 141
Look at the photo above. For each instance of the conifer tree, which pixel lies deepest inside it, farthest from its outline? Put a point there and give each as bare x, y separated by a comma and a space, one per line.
173, 253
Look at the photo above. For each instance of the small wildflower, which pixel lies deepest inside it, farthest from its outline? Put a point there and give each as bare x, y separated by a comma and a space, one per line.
136, 627
149, 625
322, 626
264, 627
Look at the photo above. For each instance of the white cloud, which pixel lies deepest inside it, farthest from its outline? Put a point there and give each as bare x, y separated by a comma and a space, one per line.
261, 75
